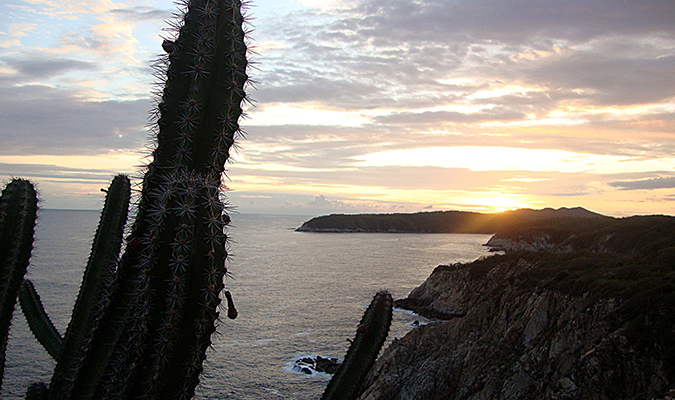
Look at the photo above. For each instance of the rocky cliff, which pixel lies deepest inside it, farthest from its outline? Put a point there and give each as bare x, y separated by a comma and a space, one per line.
573, 324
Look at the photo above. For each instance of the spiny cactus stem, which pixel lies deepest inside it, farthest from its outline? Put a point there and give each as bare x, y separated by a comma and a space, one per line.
39, 322
177, 247
18, 215
370, 336
97, 287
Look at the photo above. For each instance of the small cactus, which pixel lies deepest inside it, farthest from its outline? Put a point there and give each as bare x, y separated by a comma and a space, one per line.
370, 336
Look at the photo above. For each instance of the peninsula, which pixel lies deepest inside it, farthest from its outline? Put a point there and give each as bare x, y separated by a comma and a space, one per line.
438, 221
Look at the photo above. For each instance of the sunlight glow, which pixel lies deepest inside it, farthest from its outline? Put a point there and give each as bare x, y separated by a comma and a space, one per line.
296, 114
503, 90
123, 162
486, 158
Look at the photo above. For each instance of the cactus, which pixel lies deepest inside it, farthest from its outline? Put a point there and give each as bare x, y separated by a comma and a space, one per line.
42, 327
142, 324
18, 214
156, 319
96, 289
370, 336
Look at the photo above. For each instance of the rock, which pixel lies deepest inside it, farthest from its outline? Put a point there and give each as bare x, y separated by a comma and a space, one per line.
512, 340
309, 365
327, 365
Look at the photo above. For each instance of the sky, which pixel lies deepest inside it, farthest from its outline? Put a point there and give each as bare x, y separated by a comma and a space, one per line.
365, 106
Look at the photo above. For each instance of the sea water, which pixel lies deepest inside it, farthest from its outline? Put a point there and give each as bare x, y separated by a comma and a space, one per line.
297, 294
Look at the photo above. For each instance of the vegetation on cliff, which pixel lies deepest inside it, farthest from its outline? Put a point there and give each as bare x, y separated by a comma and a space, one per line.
437, 221
589, 315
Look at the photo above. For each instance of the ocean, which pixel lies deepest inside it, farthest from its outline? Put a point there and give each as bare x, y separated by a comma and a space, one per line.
298, 294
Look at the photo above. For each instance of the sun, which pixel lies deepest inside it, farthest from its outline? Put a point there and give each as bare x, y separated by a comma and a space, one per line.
499, 204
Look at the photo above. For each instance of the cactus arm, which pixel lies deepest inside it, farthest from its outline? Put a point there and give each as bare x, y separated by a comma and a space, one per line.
18, 215
42, 327
97, 285
370, 336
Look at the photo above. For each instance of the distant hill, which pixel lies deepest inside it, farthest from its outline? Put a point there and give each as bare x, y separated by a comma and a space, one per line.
438, 221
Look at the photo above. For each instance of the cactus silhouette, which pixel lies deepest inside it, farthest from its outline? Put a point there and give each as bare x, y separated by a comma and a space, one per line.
159, 309
38, 319
97, 288
370, 336
142, 322
18, 213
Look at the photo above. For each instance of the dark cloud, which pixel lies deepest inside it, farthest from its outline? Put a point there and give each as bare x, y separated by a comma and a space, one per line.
141, 13
610, 80
41, 172
42, 120
513, 22
645, 184
36, 66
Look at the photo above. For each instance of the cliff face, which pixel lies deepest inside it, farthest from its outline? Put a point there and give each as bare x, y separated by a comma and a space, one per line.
537, 326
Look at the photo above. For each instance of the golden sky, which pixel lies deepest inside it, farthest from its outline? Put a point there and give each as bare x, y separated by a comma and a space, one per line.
366, 106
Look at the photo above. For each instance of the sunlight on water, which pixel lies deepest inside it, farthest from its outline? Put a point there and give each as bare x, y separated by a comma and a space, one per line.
298, 294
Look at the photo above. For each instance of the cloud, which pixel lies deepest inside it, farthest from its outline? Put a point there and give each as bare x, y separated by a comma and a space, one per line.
321, 202
142, 13
609, 79
43, 120
352, 78
398, 53
645, 184
512, 22
37, 66
58, 173
436, 117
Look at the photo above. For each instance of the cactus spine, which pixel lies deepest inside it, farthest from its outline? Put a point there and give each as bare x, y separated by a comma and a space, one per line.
370, 336
18, 214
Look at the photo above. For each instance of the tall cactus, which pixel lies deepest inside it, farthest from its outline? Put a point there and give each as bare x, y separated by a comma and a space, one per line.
18, 213
370, 336
152, 339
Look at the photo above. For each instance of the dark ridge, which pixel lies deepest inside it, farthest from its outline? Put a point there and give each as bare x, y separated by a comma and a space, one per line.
438, 221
